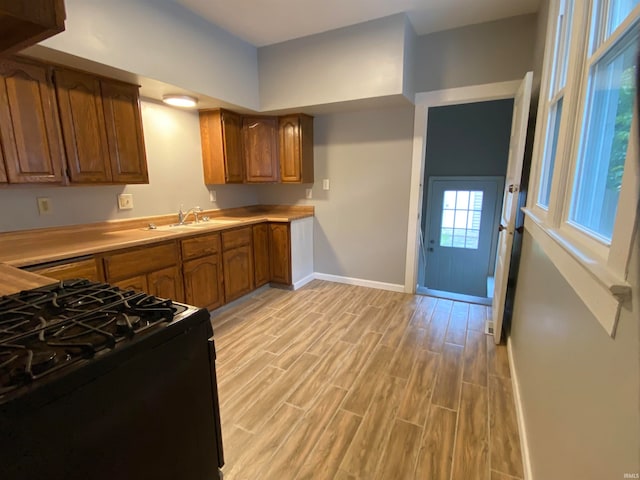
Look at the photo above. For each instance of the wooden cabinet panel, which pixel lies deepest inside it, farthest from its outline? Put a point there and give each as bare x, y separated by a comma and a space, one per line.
124, 132
26, 22
3, 172
79, 269
296, 148
29, 128
166, 283
203, 282
280, 253
140, 260
237, 265
261, 254
139, 284
222, 151
236, 238
83, 126
260, 149
200, 246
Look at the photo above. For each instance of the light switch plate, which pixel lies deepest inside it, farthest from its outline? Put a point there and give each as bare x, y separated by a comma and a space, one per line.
44, 206
325, 184
308, 193
125, 201
212, 196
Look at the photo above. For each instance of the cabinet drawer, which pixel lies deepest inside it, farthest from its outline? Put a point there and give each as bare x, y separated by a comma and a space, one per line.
65, 271
200, 246
139, 261
236, 238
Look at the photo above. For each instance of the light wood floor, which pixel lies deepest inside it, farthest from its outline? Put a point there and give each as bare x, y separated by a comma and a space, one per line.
341, 382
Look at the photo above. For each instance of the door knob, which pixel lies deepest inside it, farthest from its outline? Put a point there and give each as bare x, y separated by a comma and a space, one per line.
501, 227
430, 249
432, 241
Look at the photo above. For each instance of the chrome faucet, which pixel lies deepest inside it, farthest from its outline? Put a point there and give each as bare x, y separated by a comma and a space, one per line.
182, 216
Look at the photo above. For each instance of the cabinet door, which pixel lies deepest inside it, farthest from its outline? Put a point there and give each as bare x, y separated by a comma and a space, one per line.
232, 144
166, 283
296, 148
83, 126
261, 254
29, 129
280, 257
237, 265
203, 282
139, 284
3, 172
124, 132
27, 22
260, 149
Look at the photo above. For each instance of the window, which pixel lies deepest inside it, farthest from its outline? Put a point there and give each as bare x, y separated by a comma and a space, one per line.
461, 213
583, 203
555, 98
607, 125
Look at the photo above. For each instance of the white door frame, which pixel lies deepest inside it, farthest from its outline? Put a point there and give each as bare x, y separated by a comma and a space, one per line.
424, 101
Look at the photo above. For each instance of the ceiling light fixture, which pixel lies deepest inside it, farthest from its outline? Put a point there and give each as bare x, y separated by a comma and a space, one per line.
184, 101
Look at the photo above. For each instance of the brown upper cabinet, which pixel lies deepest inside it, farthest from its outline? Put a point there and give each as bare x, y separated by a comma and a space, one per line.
29, 128
102, 129
221, 137
296, 148
26, 22
260, 142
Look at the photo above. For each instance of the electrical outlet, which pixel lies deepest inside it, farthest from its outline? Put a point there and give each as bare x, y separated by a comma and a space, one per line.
212, 196
44, 206
125, 201
308, 193
325, 184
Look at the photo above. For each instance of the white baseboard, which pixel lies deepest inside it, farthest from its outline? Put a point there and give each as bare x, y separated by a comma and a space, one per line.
524, 444
394, 287
304, 281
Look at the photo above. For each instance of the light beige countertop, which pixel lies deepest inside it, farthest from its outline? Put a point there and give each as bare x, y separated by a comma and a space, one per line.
14, 280
32, 247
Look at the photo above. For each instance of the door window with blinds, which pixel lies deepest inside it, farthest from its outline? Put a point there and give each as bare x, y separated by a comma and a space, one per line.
461, 215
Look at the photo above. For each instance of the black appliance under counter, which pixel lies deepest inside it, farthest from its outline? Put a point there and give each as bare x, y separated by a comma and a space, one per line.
100, 383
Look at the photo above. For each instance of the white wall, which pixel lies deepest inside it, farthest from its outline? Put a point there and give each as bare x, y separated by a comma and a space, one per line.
351, 63
579, 387
164, 41
361, 222
477, 54
174, 155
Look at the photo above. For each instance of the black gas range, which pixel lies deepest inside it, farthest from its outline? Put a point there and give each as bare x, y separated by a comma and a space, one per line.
102, 383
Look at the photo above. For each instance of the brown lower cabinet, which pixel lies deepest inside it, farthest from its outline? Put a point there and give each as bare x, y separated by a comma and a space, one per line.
237, 262
262, 271
202, 271
154, 269
86, 268
280, 253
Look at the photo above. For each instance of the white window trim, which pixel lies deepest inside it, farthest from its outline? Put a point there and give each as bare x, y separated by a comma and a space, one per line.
596, 272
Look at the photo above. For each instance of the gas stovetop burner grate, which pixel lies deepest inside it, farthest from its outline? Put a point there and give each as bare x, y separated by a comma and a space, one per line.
44, 329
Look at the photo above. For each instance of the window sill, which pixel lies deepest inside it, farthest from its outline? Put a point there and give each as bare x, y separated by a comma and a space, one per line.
602, 290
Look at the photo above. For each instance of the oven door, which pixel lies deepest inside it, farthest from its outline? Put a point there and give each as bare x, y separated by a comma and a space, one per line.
148, 414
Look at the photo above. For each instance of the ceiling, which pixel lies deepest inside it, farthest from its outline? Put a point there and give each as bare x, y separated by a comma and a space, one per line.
264, 22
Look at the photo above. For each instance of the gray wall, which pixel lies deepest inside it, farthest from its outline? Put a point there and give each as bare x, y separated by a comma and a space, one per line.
470, 139
477, 54
361, 222
361, 61
161, 40
174, 155
579, 387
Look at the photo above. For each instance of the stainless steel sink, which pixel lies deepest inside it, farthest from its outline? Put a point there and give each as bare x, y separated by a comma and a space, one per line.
184, 227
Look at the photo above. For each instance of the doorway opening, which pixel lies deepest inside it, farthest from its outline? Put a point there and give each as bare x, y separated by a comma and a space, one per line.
466, 155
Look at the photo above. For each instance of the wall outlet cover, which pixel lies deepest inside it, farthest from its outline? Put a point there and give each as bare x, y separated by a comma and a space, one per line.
125, 201
212, 196
325, 184
308, 193
44, 206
